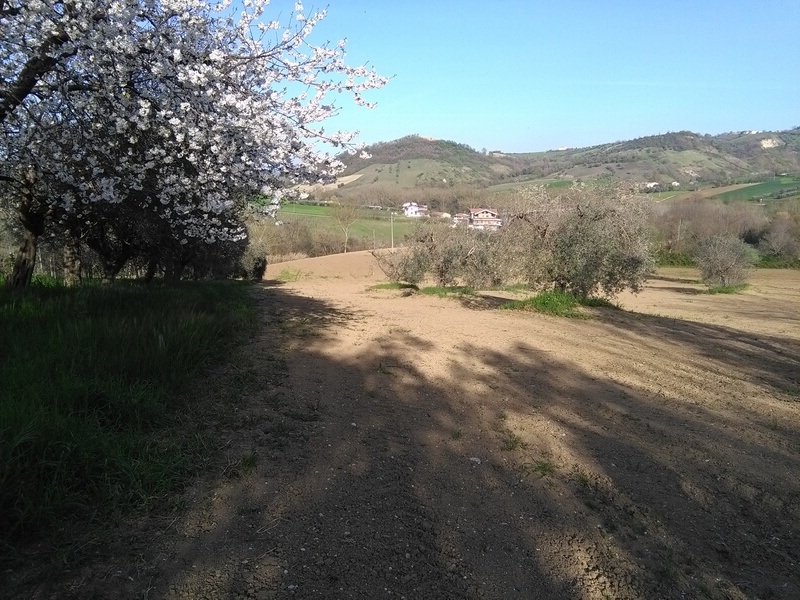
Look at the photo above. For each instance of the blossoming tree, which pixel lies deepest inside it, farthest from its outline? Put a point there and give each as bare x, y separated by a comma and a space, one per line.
128, 124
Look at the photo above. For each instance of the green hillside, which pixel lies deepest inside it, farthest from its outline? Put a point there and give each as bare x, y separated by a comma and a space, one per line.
691, 159
415, 160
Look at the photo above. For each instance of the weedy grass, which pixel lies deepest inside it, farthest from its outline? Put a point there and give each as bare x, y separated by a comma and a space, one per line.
394, 285
728, 289
290, 275
560, 304
93, 384
445, 291
514, 442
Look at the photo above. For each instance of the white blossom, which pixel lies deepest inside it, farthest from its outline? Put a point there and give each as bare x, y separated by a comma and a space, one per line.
172, 108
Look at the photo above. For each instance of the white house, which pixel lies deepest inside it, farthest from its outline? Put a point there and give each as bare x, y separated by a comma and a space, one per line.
412, 209
484, 218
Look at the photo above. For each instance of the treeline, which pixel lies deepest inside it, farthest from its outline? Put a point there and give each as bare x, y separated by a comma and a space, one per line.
772, 232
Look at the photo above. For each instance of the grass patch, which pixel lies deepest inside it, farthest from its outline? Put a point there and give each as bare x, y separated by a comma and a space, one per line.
542, 467
290, 275
728, 289
560, 304
92, 412
514, 442
445, 291
394, 285
776, 187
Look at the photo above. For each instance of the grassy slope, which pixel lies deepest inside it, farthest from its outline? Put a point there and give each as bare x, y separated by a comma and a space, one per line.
682, 156
761, 190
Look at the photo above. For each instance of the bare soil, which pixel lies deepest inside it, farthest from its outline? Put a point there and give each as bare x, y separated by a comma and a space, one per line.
382, 445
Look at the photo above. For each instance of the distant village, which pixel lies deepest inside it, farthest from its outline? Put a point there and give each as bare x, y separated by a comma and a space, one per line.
487, 219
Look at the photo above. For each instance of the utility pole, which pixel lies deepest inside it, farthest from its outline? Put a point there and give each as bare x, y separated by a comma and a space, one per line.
391, 221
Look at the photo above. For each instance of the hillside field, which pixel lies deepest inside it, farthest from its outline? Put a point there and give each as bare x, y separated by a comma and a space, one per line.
370, 225
689, 158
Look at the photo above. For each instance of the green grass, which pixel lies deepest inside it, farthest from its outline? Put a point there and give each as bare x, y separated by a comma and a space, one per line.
597, 302
446, 291
665, 258
760, 190
560, 304
290, 275
767, 261
394, 285
372, 226
728, 289
92, 395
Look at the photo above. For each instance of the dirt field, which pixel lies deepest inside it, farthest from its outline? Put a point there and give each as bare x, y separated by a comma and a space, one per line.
419, 447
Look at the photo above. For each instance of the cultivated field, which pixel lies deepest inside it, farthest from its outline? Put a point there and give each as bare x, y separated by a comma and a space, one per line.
372, 224
423, 447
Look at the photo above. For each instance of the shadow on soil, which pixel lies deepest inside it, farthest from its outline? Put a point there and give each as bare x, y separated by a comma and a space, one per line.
511, 475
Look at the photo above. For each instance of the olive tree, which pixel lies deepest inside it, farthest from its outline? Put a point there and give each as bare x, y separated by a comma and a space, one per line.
588, 240
724, 260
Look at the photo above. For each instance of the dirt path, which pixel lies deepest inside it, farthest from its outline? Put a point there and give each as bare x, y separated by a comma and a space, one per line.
419, 447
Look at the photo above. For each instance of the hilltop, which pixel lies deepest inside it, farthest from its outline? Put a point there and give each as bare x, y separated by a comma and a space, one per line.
685, 157
416, 160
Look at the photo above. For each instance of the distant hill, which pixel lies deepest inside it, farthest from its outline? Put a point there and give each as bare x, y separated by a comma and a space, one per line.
415, 160
684, 156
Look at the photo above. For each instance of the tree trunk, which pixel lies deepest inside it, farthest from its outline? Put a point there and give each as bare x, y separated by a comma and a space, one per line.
72, 262
25, 262
173, 270
32, 219
152, 266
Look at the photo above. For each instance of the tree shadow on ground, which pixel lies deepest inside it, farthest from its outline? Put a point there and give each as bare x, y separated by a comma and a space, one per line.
689, 291
504, 472
758, 358
695, 281
512, 474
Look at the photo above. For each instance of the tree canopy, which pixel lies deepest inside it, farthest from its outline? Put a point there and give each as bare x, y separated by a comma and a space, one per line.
140, 127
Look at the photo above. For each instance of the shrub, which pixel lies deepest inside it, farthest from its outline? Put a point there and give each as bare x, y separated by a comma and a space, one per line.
724, 261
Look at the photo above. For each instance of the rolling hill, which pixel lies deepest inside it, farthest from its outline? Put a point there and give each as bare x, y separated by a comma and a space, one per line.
686, 157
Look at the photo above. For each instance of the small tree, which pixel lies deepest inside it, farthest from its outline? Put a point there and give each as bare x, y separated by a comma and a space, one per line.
345, 213
724, 261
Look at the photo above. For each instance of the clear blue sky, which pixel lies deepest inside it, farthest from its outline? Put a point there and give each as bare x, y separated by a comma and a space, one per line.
518, 75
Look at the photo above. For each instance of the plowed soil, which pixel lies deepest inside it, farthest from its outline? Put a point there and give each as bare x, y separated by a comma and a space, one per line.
386, 445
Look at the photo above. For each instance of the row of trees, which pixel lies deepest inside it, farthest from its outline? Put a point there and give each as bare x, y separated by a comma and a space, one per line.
599, 240
587, 240
141, 129
773, 230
